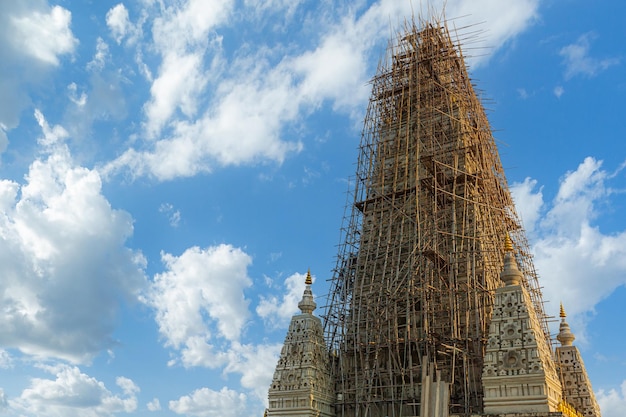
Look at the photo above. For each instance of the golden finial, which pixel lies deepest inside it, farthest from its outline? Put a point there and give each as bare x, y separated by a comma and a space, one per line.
308, 280
508, 244
562, 313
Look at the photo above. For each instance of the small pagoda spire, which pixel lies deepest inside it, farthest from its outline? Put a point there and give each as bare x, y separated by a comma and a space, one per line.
565, 336
511, 275
508, 243
307, 304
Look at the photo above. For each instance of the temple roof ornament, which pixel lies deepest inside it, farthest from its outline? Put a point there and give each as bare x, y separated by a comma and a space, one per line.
307, 304
511, 275
565, 336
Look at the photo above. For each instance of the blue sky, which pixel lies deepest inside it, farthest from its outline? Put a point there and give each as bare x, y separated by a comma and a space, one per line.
169, 171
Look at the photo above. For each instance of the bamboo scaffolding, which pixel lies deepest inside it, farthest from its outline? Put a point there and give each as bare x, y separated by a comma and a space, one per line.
421, 249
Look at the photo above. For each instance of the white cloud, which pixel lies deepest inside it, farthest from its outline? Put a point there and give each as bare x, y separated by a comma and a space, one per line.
571, 252
205, 402
528, 203
102, 96
182, 36
154, 405
64, 261
4, 140
277, 311
6, 361
74, 394
44, 35
275, 6
612, 402
337, 69
172, 215
558, 91
201, 311
242, 126
523, 93
249, 103
502, 22
99, 59
127, 385
180, 81
256, 364
200, 290
33, 39
3, 400
118, 22
81, 100
577, 59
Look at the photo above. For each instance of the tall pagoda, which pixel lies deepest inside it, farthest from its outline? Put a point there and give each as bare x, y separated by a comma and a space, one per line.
422, 252
422, 267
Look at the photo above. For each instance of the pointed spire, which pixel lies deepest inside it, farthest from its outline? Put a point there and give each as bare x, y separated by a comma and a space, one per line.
565, 336
511, 275
307, 304
508, 243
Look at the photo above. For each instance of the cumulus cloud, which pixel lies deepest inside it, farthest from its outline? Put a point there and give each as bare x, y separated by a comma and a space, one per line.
65, 264
6, 361
45, 35
154, 405
612, 402
99, 59
201, 311
173, 215
4, 141
181, 35
249, 102
3, 400
255, 363
101, 97
501, 22
558, 91
199, 298
528, 202
33, 39
571, 252
118, 22
74, 394
277, 311
578, 60
205, 402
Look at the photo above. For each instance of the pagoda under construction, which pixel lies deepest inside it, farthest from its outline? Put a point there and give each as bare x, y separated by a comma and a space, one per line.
434, 306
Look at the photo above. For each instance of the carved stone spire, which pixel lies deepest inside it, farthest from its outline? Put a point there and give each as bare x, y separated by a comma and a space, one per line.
577, 390
519, 374
302, 385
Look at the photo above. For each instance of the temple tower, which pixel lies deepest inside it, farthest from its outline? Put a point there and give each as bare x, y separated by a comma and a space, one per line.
519, 374
577, 389
302, 386
420, 257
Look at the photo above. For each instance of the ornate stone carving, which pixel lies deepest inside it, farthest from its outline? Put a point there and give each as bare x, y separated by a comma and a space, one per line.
301, 386
519, 374
576, 384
